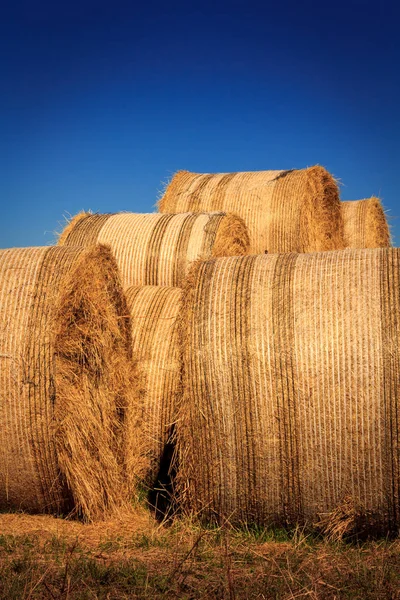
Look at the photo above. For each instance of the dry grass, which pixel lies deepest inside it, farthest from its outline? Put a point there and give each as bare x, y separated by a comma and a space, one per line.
44, 558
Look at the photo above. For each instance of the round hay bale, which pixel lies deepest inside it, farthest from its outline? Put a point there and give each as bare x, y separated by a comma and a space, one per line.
154, 312
285, 211
365, 224
67, 382
156, 249
291, 388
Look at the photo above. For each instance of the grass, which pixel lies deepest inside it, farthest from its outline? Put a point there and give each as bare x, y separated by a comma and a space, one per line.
41, 557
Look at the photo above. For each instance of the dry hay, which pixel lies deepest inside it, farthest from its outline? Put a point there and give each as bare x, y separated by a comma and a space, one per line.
155, 249
285, 211
365, 224
154, 311
67, 382
290, 403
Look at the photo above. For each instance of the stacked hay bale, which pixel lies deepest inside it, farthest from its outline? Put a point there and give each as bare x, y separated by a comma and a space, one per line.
285, 211
155, 249
67, 383
291, 398
365, 224
154, 311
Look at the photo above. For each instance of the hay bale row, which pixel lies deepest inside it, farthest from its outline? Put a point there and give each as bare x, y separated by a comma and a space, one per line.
365, 224
67, 383
156, 249
291, 395
154, 312
285, 211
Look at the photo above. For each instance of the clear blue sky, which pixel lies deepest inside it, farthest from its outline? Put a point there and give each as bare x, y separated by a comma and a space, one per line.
100, 102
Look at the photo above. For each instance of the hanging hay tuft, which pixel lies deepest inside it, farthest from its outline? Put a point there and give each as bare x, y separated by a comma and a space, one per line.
285, 211
365, 224
67, 382
154, 313
290, 389
156, 249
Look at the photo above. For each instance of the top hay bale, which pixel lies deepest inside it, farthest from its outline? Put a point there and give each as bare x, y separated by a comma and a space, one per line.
291, 389
67, 382
365, 224
155, 249
285, 211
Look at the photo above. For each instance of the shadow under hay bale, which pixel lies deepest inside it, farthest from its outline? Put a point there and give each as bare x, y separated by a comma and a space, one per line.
291, 389
285, 211
365, 224
67, 382
156, 249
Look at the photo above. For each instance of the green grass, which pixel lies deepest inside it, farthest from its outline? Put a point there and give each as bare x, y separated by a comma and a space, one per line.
189, 562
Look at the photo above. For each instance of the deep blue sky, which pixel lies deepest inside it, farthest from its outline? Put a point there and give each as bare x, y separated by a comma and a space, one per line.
101, 102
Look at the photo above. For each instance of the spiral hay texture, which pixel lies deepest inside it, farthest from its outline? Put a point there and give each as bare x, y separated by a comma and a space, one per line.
154, 312
285, 211
365, 224
156, 249
66, 381
291, 387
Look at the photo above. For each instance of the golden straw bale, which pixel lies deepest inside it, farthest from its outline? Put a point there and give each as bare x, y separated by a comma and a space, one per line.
157, 249
67, 382
154, 311
290, 388
285, 211
365, 224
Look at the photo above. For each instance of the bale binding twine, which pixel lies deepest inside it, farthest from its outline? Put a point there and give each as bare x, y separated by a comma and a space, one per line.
68, 382
285, 211
157, 249
290, 409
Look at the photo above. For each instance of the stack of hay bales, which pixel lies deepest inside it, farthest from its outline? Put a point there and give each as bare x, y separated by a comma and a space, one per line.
291, 395
365, 224
285, 211
275, 375
67, 382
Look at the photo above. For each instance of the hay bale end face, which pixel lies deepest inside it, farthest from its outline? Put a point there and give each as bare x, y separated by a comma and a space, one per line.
365, 224
154, 312
157, 249
67, 381
290, 407
285, 211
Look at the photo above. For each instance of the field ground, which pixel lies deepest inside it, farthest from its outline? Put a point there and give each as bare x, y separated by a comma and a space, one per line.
43, 557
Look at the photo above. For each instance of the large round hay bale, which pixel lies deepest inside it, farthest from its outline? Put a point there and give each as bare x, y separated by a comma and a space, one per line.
285, 211
290, 409
365, 224
154, 311
156, 249
67, 382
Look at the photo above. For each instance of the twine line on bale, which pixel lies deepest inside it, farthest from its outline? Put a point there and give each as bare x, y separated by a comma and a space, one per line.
365, 224
285, 211
68, 385
290, 410
157, 249
154, 312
